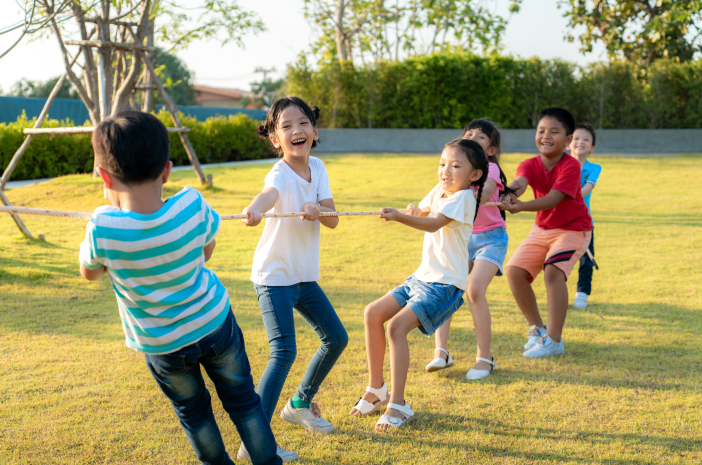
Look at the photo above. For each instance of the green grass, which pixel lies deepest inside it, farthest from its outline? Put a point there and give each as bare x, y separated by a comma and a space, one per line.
628, 389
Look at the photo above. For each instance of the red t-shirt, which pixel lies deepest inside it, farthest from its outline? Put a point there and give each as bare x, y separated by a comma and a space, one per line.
571, 213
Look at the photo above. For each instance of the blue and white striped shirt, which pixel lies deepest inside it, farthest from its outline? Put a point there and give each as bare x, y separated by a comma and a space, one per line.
167, 299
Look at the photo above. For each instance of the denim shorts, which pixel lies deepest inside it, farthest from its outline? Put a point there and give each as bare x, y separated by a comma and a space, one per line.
490, 246
433, 303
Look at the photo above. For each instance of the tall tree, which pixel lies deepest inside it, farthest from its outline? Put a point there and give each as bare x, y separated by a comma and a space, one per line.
112, 36
389, 29
640, 31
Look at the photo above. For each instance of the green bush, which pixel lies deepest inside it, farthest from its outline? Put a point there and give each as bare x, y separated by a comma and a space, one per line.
215, 140
448, 89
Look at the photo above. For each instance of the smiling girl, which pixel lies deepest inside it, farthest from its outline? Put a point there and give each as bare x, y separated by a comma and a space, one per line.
435, 291
486, 254
286, 263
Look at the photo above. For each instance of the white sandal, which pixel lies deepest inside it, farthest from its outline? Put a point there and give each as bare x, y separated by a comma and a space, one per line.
395, 423
366, 408
480, 374
439, 363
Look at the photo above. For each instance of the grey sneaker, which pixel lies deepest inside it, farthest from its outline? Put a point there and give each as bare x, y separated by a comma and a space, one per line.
305, 418
580, 300
287, 456
534, 334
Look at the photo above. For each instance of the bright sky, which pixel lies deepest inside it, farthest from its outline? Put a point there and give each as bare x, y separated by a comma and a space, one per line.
537, 30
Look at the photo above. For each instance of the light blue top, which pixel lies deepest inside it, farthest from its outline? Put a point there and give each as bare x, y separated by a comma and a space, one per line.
589, 173
167, 299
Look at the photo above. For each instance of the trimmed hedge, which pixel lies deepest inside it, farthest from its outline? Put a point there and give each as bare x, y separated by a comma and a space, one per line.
215, 140
448, 89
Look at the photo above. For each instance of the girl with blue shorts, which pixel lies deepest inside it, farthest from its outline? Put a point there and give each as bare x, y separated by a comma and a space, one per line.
486, 254
435, 291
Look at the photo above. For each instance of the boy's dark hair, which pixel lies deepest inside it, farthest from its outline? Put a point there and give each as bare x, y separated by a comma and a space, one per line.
492, 130
588, 127
476, 157
268, 127
132, 146
562, 115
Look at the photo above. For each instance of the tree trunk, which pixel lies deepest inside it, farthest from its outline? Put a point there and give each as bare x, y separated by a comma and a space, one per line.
340, 33
149, 104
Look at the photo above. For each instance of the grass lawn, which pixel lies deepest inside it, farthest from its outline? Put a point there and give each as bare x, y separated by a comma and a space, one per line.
627, 390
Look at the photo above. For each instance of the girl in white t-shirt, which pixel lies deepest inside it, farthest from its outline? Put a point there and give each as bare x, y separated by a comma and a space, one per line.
435, 291
286, 263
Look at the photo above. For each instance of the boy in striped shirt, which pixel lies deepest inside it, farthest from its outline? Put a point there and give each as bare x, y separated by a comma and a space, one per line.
172, 308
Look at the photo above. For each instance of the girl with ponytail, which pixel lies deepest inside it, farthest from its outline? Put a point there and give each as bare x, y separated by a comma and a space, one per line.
435, 291
286, 265
486, 254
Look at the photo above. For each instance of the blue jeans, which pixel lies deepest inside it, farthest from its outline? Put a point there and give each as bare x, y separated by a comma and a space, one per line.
223, 356
277, 303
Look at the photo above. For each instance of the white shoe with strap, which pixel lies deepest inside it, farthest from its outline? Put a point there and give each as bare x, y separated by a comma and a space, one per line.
366, 408
480, 374
439, 363
393, 422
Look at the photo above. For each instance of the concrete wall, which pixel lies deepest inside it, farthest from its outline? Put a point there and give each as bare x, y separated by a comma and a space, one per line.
514, 140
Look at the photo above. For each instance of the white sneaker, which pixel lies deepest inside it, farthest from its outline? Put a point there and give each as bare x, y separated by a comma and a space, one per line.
580, 300
285, 455
545, 347
439, 363
305, 418
535, 333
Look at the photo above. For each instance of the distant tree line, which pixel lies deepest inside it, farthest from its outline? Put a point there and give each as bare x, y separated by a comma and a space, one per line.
447, 89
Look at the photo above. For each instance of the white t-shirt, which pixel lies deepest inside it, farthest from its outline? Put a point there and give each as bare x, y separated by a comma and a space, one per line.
445, 252
288, 252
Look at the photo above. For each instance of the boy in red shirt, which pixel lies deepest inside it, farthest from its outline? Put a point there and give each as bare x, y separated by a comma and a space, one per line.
561, 233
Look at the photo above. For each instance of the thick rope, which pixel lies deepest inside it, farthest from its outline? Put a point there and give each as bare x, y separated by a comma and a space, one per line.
87, 216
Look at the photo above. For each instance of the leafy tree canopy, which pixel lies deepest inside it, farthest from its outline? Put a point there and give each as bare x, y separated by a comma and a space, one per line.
640, 31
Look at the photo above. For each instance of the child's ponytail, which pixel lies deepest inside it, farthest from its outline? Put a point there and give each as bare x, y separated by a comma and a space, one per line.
492, 130
476, 157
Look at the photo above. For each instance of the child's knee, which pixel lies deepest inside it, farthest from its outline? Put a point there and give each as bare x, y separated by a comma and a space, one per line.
339, 341
372, 314
516, 274
554, 276
284, 351
474, 293
396, 330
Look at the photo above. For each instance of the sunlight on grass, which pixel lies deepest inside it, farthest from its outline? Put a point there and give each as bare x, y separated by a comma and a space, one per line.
626, 391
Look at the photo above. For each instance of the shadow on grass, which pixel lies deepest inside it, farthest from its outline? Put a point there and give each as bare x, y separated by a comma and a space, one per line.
446, 424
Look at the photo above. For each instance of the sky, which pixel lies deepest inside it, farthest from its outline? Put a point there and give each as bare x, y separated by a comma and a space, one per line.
537, 30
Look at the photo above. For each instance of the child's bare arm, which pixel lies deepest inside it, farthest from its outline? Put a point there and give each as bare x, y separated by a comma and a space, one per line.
429, 224
552, 199
518, 186
260, 204
209, 248
327, 205
92, 275
587, 188
488, 189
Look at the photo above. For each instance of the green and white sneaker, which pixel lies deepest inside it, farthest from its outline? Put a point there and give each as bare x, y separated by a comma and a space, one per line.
545, 347
535, 333
305, 418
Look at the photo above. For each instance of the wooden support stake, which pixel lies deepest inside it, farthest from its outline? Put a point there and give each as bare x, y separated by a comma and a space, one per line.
209, 180
81, 130
173, 110
18, 220
119, 45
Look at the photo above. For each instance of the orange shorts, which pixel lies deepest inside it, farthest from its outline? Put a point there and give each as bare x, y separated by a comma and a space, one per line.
556, 247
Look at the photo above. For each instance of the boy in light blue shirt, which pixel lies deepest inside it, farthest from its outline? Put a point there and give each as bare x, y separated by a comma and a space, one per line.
172, 308
582, 146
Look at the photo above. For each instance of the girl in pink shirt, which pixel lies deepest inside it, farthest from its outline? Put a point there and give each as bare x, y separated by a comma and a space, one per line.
486, 250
